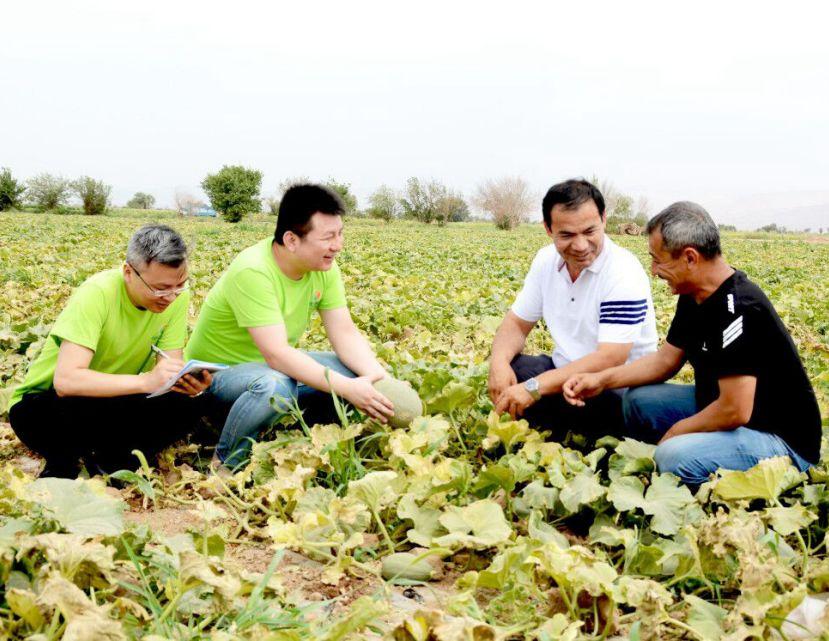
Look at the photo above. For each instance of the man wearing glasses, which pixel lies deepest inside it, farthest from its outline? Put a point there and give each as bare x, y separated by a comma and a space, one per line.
120, 337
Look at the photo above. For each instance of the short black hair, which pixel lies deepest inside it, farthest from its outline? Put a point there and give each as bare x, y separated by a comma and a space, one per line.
571, 194
299, 203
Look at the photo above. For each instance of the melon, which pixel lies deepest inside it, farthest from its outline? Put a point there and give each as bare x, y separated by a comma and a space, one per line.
407, 404
411, 566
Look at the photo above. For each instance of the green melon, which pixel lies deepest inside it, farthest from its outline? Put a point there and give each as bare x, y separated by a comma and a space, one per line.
405, 565
407, 404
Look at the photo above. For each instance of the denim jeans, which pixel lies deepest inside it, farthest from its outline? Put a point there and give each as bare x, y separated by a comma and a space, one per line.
652, 409
259, 396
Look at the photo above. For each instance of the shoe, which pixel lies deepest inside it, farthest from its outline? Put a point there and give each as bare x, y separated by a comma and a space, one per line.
60, 469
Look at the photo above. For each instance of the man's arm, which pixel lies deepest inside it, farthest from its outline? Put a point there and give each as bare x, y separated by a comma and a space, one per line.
508, 342
653, 368
74, 378
515, 398
731, 410
272, 342
349, 344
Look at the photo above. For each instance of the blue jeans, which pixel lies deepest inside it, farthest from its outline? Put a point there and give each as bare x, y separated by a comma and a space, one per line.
652, 409
259, 396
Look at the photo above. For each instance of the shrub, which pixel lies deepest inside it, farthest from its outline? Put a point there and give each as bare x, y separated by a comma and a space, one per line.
48, 191
234, 191
10, 190
344, 191
508, 200
383, 203
94, 195
141, 201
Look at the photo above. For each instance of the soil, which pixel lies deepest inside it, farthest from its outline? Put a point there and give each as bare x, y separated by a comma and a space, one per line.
303, 578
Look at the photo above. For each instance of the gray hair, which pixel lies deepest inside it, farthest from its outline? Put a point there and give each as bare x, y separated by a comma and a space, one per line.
156, 243
686, 224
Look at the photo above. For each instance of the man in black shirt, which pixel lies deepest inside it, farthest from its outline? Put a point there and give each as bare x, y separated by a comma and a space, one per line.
752, 399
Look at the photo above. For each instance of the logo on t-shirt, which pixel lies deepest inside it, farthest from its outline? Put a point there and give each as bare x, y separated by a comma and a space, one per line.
732, 332
315, 299
731, 303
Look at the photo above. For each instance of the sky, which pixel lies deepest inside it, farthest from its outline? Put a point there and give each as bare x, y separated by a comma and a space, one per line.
725, 103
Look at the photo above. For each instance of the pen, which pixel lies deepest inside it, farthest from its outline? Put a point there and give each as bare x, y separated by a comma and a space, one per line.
158, 351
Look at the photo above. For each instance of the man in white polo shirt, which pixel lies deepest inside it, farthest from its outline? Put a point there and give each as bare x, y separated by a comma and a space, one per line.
595, 299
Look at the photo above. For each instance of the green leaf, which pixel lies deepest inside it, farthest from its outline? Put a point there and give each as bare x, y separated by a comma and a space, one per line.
541, 531
477, 525
582, 489
81, 507
668, 502
766, 480
626, 493
631, 457
425, 520
144, 486
451, 397
375, 489
788, 520
704, 618
504, 430
538, 495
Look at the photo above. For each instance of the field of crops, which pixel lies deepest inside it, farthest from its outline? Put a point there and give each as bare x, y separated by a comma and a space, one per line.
509, 536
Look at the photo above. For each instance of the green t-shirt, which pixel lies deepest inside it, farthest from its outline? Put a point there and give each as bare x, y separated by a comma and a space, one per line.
101, 317
254, 292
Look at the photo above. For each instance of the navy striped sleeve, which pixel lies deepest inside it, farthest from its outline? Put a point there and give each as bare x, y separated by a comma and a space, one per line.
623, 312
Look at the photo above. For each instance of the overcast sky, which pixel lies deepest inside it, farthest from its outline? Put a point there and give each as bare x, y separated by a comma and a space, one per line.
720, 102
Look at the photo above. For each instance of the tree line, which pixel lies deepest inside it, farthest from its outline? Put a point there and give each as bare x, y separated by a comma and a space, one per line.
235, 191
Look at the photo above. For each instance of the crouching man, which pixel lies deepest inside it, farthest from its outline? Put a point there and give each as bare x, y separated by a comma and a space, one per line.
258, 310
752, 398
595, 299
85, 395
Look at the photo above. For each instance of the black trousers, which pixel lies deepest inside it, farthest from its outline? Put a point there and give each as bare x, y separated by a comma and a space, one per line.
601, 415
101, 431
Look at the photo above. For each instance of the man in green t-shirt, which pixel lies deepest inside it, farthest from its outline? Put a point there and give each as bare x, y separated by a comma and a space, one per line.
120, 337
256, 313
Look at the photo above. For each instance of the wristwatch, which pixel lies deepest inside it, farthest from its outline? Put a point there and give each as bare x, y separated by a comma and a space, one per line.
531, 385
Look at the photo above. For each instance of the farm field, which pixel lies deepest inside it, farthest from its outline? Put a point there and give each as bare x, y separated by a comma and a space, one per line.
509, 536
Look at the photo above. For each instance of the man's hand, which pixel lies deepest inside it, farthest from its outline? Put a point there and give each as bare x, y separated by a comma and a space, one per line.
501, 376
161, 373
361, 393
579, 387
514, 400
193, 385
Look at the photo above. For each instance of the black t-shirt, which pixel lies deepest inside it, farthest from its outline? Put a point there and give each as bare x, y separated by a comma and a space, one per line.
736, 331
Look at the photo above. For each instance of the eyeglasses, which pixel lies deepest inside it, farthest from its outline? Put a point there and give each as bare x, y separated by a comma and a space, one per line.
160, 293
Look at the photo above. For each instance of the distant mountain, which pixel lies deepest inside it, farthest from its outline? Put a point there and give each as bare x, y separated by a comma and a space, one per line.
793, 210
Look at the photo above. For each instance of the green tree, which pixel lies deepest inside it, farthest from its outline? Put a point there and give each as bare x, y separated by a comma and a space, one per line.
11, 191
48, 191
623, 208
141, 201
431, 201
384, 203
415, 201
234, 191
344, 190
94, 195
456, 208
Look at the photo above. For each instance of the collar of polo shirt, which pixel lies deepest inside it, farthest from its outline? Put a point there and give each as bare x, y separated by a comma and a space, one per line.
596, 265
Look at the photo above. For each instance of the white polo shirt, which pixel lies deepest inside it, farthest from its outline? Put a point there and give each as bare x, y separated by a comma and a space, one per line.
610, 302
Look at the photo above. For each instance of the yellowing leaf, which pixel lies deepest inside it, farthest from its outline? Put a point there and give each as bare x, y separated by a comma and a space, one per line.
477, 525
766, 480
